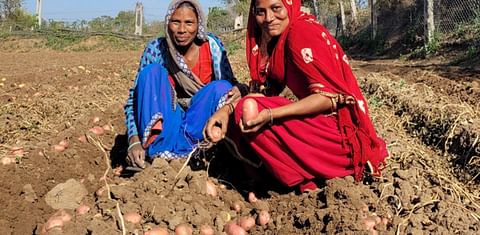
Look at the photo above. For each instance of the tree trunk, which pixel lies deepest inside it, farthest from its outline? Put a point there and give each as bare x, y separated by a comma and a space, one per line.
429, 21
342, 14
373, 18
353, 5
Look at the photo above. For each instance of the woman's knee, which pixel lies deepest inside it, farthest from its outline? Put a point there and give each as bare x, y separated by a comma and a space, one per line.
220, 87
152, 72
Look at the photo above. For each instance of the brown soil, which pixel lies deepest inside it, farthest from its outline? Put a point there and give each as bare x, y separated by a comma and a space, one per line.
49, 96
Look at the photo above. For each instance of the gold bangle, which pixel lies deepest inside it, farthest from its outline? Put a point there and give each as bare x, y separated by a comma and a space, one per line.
231, 107
271, 116
333, 106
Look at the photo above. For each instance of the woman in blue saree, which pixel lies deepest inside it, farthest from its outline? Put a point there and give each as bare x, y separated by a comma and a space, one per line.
183, 78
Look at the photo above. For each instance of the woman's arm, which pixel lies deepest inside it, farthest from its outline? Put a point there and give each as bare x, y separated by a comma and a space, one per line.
136, 153
313, 104
150, 55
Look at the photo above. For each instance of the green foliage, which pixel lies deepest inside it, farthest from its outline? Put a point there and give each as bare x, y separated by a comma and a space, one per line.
155, 28
239, 6
232, 47
19, 20
471, 54
124, 22
375, 101
362, 42
102, 23
9, 8
219, 19
58, 40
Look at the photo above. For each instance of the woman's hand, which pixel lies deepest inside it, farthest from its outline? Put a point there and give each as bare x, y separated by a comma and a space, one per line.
234, 95
136, 153
252, 126
218, 119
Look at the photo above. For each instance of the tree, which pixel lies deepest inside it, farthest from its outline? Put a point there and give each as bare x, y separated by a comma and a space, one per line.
353, 5
125, 22
9, 8
219, 20
238, 6
102, 23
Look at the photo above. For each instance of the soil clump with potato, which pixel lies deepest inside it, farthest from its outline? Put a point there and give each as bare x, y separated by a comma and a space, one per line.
62, 138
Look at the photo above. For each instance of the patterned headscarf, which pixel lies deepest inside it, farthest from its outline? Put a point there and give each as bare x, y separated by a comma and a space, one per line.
176, 64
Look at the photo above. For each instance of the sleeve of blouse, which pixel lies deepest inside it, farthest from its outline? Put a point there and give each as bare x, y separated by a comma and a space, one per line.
317, 54
148, 57
223, 62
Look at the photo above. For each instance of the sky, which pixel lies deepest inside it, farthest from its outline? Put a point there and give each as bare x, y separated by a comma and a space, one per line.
71, 10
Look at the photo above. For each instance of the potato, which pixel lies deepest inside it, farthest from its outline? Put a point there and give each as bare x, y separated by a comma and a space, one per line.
7, 161
96, 119
157, 231
82, 209
82, 139
97, 130
216, 134
232, 228
107, 127
59, 148
117, 171
183, 229
369, 223
252, 198
246, 222
263, 217
57, 221
206, 229
51, 224
132, 217
249, 110
237, 206
211, 188
64, 143
101, 191
17, 151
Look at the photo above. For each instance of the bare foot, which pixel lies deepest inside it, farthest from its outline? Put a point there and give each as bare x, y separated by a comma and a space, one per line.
249, 110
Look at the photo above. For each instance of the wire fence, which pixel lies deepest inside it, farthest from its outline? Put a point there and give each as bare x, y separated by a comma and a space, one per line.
450, 14
398, 23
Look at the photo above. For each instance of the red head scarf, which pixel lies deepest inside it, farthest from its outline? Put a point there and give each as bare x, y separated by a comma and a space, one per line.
254, 37
330, 69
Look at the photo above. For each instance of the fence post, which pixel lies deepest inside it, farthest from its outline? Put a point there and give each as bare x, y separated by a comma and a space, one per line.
373, 18
138, 18
429, 21
39, 13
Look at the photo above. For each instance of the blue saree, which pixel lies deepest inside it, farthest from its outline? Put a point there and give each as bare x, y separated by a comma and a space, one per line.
153, 98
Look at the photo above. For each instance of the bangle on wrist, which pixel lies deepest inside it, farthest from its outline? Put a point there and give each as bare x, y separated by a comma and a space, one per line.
231, 107
133, 144
271, 116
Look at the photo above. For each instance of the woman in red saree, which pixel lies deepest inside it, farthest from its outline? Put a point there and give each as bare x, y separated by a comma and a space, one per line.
327, 133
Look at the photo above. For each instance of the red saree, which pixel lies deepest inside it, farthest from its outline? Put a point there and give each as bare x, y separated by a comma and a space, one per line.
307, 59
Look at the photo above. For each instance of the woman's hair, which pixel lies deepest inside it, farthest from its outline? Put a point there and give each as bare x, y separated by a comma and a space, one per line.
189, 6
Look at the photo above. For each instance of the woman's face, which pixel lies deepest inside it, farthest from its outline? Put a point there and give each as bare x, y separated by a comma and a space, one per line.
183, 26
271, 16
